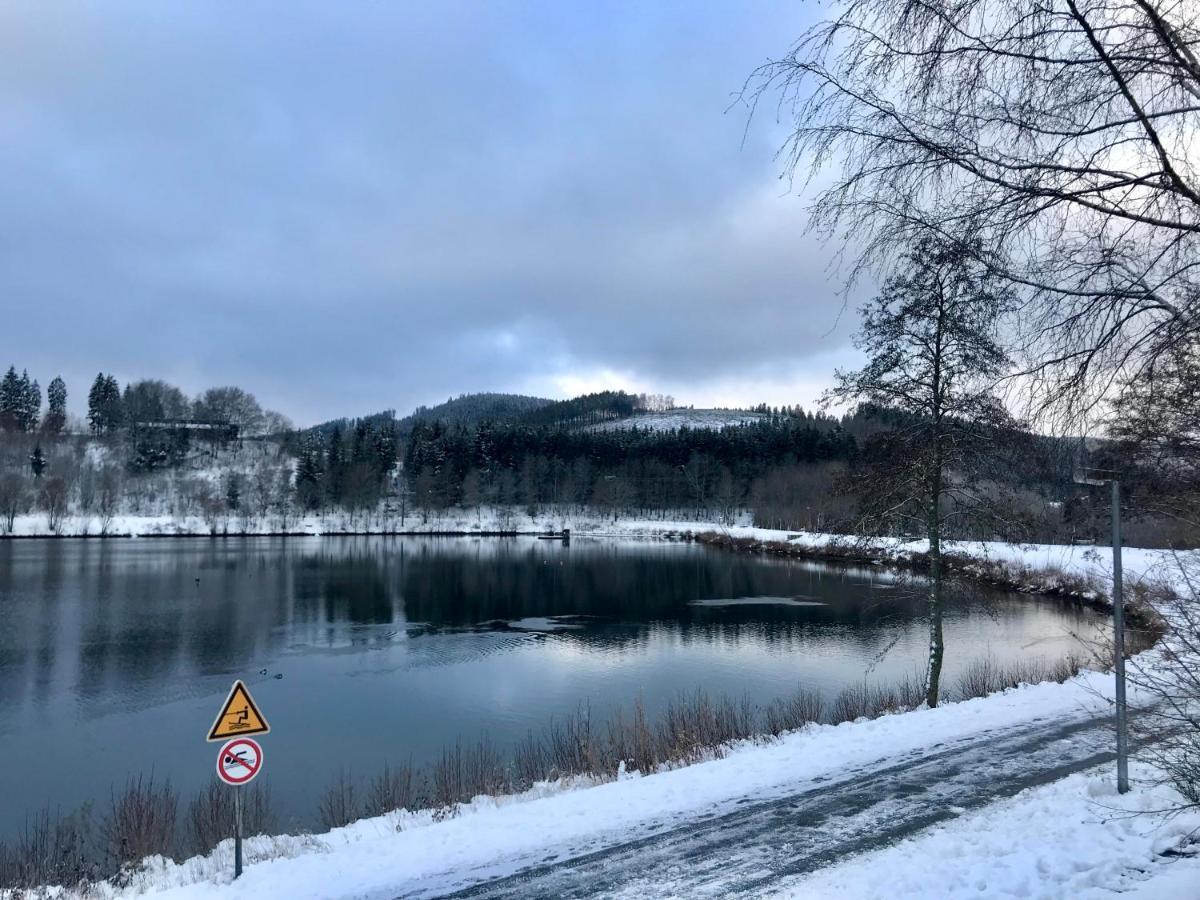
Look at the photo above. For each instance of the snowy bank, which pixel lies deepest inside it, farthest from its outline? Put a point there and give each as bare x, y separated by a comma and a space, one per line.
1045, 565
401, 853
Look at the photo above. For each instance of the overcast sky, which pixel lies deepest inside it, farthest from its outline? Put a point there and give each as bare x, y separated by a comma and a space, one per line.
345, 207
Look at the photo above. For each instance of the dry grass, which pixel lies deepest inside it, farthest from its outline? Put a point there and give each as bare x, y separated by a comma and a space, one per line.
985, 676
210, 817
339, 804
793, 712
53, 849
392, 789
140, 821
633, 743
466, 771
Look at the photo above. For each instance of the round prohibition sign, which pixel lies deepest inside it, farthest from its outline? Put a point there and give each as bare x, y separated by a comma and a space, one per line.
239, 761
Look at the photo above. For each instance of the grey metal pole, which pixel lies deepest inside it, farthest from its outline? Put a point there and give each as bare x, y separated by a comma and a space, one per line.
237, 832
1118, 602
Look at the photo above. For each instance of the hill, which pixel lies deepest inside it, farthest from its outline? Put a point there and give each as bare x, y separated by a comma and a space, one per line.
471, 409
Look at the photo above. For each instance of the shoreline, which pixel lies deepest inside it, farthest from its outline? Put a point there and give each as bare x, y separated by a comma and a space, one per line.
1143, 625
1078, 573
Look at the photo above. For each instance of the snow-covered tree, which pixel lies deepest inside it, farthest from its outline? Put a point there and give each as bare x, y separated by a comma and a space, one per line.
10, 400
105, 410
56, 406
31, 402
20, 401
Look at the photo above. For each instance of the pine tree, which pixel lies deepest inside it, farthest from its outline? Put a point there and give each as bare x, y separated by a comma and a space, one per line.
105, 409
310, 473
37, 461
11, 400
95, 412
30, 407
114, 408
56, 411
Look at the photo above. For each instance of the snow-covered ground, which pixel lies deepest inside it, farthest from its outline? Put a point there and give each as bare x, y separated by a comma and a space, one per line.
671, 420
1076, 838
1073, 838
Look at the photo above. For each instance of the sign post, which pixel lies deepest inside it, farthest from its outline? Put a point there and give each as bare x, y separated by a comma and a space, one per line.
237, 832
238, 763
1100, 477
240, 759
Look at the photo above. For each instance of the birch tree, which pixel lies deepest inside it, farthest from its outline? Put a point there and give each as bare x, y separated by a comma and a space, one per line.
1063, 133
932, 361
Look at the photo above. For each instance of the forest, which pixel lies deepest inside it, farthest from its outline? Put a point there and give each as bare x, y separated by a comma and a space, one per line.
147, 449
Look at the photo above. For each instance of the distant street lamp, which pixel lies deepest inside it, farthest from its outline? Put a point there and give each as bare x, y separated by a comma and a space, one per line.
1100, 477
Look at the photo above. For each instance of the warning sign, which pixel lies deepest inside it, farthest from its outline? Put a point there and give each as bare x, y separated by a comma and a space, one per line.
239, 761
238, 717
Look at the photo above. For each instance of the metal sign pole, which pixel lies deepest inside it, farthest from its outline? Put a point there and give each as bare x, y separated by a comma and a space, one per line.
1118, 602
237, 832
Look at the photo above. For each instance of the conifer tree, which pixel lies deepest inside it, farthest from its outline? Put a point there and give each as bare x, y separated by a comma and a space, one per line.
10, 400
95, 413
56, 402
105, 410
30, 406
37, 462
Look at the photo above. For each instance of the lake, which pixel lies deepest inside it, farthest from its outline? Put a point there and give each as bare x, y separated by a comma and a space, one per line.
115, 655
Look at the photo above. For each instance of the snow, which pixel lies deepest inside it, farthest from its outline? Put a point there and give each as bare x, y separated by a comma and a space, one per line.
672, 420
1063, 835
1075, 838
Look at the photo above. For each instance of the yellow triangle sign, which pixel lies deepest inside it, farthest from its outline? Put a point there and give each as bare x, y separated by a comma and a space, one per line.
238, 717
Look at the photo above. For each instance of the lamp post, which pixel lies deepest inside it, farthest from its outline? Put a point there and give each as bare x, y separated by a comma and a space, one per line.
1097, 477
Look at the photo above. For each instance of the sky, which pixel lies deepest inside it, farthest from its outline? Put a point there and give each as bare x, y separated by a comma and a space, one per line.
347, 207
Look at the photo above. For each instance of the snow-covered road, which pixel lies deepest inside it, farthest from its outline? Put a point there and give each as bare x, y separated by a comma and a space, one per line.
750, 849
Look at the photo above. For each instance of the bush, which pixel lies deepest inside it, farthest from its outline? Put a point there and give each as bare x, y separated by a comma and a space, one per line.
339, 806
52, 850
466, 772
210, 814
392, 789
141, 821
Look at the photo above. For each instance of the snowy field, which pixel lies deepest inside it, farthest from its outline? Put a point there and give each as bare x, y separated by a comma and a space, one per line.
1074, 838
672, 420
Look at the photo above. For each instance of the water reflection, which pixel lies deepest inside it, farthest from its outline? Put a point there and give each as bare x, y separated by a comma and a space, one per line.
406, 644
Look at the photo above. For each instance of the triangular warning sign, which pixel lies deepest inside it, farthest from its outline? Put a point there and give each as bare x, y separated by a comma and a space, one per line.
238, 717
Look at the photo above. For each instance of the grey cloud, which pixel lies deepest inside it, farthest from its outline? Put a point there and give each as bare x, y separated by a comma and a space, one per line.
348, 207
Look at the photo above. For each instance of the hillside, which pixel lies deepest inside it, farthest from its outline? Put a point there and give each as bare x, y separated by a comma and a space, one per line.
471, 409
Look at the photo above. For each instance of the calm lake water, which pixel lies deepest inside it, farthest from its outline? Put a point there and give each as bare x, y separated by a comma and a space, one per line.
115, 655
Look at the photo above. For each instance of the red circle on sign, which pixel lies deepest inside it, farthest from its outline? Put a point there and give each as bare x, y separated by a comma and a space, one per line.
239, 761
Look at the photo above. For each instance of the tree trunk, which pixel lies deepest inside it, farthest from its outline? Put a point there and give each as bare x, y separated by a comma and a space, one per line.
936, 645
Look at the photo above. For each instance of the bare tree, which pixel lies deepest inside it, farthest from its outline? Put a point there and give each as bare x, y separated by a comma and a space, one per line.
932, 362
1061, 134
14, 498
231, 404
108, 498
54, 495
1171, 678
